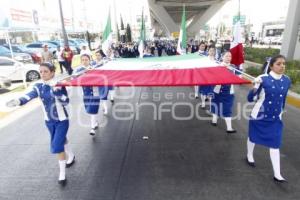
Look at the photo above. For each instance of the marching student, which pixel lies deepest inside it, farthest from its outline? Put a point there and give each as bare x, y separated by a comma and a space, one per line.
206, 91
91, 95
54, 100
98, 62
221, 105
201, 52
265, 123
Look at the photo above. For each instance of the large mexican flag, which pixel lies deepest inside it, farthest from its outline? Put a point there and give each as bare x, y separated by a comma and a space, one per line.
182, 40
107, 35
185, 70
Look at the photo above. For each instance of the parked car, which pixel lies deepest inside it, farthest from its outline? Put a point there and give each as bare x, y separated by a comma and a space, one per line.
61, 44
15, 70
21, 57
4, 82
36, 56
38, 46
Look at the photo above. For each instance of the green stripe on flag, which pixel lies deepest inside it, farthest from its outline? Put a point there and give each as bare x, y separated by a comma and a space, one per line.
107, 29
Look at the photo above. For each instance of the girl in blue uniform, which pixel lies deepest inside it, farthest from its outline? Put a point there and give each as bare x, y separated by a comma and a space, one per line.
98, 62
91, 95
223, 98
201, 52
206, 91
265, 124
54, 101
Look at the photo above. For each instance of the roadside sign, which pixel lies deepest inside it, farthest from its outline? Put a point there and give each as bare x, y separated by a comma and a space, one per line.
235, 19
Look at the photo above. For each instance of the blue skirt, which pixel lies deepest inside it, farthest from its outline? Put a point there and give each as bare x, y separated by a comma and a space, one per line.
206, 90
91, 104
266, 133
58, 133
221, 104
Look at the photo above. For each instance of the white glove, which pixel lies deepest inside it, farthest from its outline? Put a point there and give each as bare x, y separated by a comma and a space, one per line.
13, 103
257, 81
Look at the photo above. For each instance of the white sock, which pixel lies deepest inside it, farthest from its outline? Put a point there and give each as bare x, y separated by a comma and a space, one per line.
69, 153
203, 97
250, 149
104, 106
196, 90
214, 118
62, 169
228, 123
275, 159
209, 103
94, 122
112, 94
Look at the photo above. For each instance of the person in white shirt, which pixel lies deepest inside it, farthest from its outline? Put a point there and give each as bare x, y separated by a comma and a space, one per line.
85, 51
60, 59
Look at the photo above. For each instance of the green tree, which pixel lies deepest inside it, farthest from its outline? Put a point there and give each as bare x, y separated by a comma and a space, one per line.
128, 33
122, 32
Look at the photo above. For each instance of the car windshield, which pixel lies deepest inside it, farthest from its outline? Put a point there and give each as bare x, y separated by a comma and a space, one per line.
4, 50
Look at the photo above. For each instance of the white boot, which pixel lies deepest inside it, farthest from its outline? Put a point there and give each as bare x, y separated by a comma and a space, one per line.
250, 149
70, 156
229, 126
104, 107
275, 159
203, 97
196, 91
62, 171
214, 119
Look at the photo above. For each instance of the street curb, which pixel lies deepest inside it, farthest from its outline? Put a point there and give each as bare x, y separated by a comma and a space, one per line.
293, 99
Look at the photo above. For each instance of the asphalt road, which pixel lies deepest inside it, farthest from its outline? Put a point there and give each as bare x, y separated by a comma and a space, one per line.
182, 159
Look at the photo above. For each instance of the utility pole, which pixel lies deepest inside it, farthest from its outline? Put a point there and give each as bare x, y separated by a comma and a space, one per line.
66, 43
239, 12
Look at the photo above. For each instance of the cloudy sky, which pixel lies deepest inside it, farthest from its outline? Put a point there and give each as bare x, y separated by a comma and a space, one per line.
256, 11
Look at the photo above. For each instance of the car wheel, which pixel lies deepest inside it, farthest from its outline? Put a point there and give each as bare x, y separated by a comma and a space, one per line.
32, 75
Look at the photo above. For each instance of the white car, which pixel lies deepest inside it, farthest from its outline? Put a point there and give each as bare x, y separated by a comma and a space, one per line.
15, 70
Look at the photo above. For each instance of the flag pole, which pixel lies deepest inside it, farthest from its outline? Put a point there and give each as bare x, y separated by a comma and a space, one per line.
244, 73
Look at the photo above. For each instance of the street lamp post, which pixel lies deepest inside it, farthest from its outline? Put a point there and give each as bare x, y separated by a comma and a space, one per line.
66, 43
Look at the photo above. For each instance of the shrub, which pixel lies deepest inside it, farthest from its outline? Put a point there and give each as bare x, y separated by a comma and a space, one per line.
253, 71
259, 55
293, 65
294, 75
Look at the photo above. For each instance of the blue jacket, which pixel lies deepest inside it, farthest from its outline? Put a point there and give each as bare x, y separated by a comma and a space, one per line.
54, 101
270, 97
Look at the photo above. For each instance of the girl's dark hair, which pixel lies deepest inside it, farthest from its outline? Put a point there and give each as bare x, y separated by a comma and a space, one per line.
275, 58
211, 47
270, 62
49, 65
85, 55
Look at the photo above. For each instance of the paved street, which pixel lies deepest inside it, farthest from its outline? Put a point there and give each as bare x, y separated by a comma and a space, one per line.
180, 160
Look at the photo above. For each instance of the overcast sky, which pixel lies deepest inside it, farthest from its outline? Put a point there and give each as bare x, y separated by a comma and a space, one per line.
256, 11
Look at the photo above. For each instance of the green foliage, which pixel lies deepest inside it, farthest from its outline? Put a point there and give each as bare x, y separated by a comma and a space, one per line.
259, 55
294, 76
253, 71
128, 33
293, 65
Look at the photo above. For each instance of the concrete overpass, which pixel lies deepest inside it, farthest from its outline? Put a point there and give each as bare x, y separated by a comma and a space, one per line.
166, 14
291, 38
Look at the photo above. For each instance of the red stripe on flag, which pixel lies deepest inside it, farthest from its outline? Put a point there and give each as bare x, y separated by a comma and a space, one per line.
237, 53
170, 77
